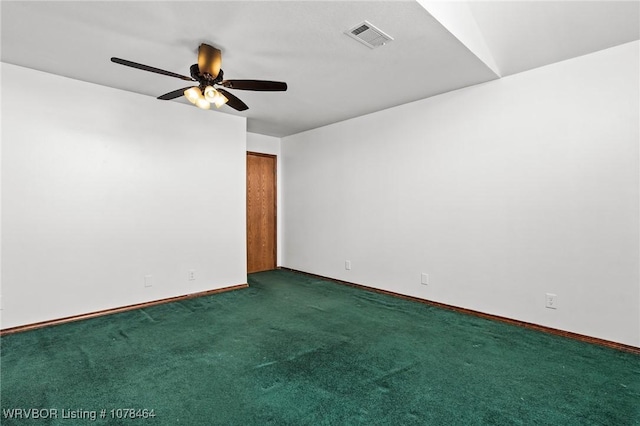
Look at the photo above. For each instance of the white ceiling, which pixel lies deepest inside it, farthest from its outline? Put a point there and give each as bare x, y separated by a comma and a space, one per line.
331, 77
528, 34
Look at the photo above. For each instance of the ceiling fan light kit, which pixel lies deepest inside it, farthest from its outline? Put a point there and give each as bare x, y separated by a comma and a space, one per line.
204, 101
208, 74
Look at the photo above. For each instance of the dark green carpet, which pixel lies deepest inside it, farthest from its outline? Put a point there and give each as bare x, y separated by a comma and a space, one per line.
297, 350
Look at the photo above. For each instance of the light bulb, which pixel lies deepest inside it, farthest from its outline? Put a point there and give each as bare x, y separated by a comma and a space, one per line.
210, 93
203, 103
193, 94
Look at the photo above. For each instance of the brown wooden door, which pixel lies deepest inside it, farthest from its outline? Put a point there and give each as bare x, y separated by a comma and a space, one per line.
261, 212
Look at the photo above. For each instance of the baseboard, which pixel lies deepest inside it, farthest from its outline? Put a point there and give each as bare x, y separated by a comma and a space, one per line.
81, 317
568, 334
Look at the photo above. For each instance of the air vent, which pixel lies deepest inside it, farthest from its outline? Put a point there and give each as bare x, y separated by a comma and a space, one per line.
367, 34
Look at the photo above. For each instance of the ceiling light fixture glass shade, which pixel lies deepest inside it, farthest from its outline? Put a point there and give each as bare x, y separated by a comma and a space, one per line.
202, 103
220, 100
193, 94
210, 93
215, 97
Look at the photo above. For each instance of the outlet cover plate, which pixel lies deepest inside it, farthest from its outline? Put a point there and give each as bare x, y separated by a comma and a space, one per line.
424, 278
551, 301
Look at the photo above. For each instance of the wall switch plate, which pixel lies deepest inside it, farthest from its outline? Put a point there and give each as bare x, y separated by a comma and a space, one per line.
192, 274
551, 301
148, 280
347, 265
424, 279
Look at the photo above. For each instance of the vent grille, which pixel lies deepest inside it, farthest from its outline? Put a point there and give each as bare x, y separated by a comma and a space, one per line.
367, 34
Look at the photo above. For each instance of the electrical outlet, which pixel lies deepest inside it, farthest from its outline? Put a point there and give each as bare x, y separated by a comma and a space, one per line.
192, 274
347, 265
551, 301
424, 279
148, 280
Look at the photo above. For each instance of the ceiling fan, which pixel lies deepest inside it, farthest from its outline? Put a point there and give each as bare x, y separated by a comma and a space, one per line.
209, 77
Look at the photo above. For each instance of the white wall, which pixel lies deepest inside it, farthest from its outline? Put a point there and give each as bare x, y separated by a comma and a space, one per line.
271, 145
501, 192
101, 187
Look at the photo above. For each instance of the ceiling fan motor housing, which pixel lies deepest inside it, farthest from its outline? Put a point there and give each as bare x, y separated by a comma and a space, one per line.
205, 79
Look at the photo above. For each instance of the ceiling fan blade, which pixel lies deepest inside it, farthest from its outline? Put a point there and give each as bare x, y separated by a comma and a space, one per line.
150, 69
234, 102
209, 60
259, 85
175, 94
